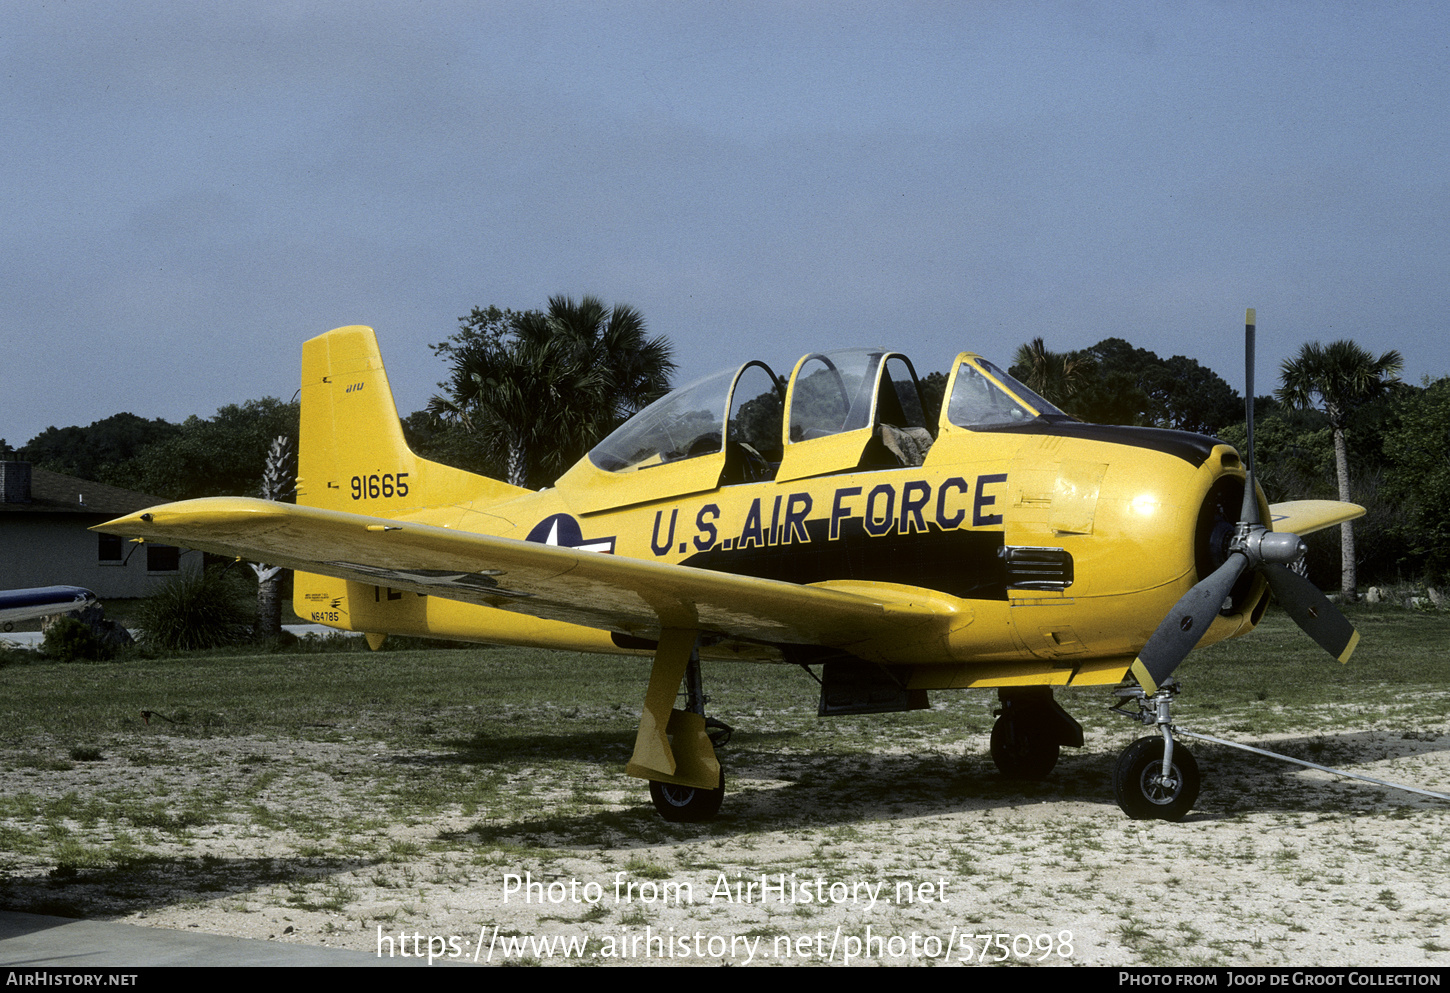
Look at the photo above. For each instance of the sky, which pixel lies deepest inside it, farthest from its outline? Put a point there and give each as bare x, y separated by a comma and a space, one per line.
192, 190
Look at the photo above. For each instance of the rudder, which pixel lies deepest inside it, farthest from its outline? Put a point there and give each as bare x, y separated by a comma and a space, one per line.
352, 455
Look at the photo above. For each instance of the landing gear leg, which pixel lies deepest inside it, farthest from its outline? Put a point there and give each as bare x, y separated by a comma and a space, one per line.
685, 751
1155, 776
1029, 730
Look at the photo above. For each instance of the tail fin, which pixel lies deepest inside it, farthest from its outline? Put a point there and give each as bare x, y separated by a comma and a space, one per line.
352, 455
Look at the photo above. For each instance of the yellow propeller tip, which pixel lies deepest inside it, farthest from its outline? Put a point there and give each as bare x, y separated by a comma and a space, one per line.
1140, 673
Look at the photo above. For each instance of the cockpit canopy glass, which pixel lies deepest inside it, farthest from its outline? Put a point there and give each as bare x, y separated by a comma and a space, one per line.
744, 406
681, 424
756, 408
979, 402
740, 412
834, 393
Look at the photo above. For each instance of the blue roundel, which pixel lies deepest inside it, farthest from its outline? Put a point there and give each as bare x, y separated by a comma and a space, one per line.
564, 531
558, 529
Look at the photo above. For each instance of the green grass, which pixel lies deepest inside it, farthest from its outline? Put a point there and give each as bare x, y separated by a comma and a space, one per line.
548, 702
1276, 677
394, 693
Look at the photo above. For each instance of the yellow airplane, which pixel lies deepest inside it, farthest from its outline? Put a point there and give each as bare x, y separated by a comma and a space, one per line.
818, 520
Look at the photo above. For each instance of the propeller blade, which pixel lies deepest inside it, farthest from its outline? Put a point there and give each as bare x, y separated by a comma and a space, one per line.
1185, 624
1250, 511
1312, 611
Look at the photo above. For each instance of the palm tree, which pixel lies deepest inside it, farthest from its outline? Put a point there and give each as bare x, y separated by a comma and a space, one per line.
634, 370
1055, 376
279, 482
542, 388
1338, 377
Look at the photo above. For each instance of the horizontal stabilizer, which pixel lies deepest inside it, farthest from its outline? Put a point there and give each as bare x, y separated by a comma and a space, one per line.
1308, 516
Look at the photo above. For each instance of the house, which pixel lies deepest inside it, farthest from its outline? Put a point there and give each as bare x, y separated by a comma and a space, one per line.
45, 541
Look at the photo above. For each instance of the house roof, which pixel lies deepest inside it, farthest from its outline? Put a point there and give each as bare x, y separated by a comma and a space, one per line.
56, 493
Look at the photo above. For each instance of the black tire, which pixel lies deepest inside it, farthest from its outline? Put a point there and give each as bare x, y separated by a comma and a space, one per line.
1139, 787
686, 804
1022, 750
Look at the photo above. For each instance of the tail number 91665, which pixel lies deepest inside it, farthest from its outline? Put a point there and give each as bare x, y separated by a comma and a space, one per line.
385, 486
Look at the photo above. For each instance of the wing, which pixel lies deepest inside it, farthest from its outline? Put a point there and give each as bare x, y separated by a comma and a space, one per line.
611, 592
1308, 516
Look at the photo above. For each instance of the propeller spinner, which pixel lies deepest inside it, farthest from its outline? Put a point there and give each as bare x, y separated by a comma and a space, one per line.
1253, 546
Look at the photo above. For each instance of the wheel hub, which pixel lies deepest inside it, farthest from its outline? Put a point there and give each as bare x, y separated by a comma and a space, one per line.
1161, 789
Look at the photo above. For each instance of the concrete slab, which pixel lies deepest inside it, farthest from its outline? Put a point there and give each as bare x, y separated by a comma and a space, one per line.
35, 941
32, 639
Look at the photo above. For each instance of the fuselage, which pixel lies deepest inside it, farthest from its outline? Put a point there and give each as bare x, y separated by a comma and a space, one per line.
19, 605
1054, 546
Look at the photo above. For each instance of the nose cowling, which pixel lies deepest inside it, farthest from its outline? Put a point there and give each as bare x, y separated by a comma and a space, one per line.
1237, 568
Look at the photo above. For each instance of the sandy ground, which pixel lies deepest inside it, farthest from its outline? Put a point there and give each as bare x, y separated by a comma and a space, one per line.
906, 856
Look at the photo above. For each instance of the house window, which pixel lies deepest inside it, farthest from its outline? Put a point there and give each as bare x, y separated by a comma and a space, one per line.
110, 549
162, 558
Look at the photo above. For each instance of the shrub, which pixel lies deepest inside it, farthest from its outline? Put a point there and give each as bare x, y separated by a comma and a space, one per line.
194, 611
71, 640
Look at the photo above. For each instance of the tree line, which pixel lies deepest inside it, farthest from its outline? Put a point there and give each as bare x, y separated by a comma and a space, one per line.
527, 393
1339, 426
221, 455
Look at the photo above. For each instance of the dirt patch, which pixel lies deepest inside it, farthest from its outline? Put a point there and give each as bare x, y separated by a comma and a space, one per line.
917, 852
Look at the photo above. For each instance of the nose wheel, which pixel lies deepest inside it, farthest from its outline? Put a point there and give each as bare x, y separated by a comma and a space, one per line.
1145, 791
1156, 778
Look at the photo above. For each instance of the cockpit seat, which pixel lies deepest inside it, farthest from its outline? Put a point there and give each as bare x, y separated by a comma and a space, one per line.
743, 464
908, 445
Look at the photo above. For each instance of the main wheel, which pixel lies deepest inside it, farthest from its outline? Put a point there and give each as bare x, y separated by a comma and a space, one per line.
686, 804
1021, 749
1143, 792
